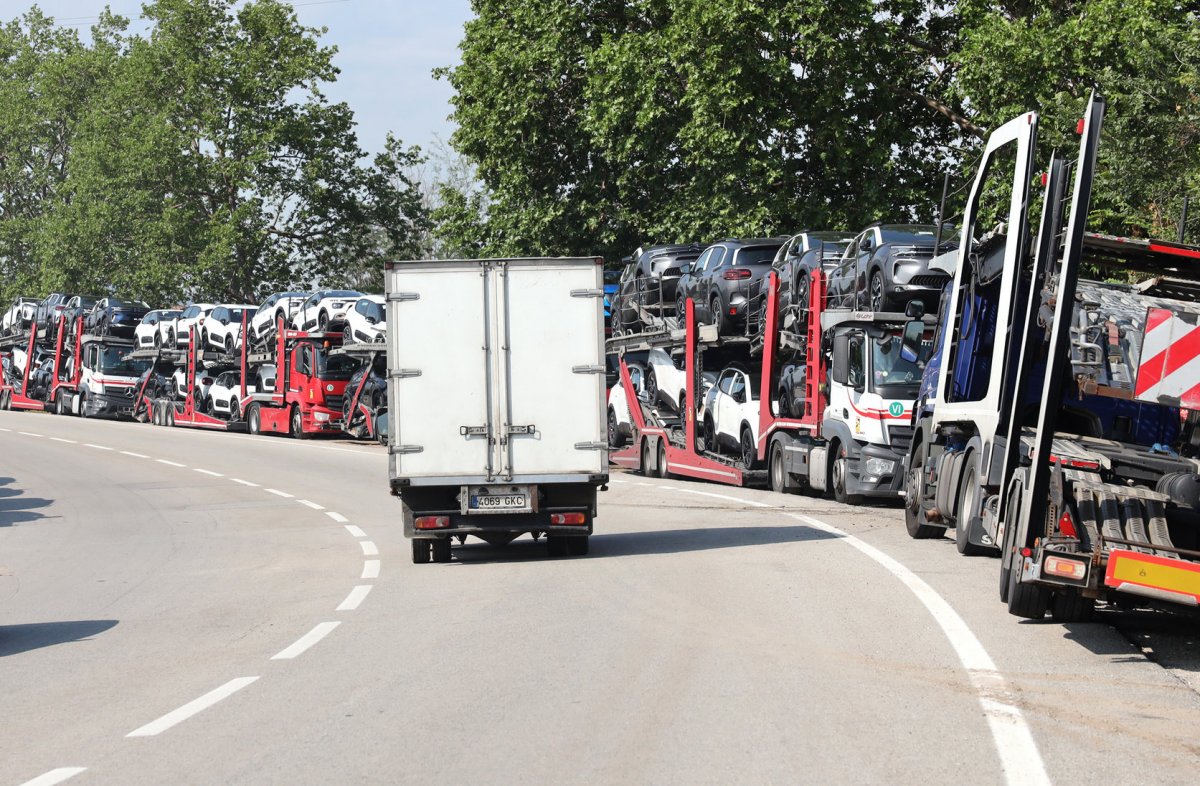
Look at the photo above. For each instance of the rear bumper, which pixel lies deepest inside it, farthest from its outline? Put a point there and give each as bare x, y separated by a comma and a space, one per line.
551, 499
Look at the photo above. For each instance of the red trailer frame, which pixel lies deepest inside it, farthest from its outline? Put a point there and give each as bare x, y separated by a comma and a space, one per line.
185, 414
12, 399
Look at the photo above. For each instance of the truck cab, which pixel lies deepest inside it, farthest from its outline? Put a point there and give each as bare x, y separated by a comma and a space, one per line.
108, 383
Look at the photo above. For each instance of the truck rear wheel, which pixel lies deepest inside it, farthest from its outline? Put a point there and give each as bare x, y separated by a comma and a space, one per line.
420, 551
440, 548
646, 459
913, 493
254, 421
662, 460
1069, 605
968, 509
779, 475
1027, 601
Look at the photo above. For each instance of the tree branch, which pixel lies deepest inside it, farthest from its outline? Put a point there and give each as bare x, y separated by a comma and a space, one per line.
946, 111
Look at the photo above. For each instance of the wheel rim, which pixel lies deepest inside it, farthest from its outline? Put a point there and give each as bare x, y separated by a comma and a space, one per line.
254, 420
612, 428
839, 476
876, 292
323, 322
662, 460
297, 425
776, 469
748, 452
715, 308
912, 492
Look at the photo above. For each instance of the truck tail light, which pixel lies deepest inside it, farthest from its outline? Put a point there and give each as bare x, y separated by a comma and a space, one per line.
432, 522
1066, 524
568, 519
1066, 568
736, 274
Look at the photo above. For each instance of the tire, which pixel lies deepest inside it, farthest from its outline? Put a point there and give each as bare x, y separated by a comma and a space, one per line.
420, 551
206, 405
171, 415
681, 407
235, 409
556, 545
651, 386
83, 413
203, 339
969, 502
58, 404
229, 345
1069, 605
296, 426
876, 297
1028, 601
663, 473
323, 327
917, 529
615, 438
577, 546
710, 436
254, 419
839, 480
646, 459
749, 449
157, 339
717, 314
778, 475
441, 549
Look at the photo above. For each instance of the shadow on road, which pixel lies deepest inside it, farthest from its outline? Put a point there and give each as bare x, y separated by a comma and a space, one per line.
670, 541
15, 639
15, 508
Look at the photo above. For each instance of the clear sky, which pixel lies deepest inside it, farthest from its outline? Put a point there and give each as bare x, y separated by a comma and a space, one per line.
386, 50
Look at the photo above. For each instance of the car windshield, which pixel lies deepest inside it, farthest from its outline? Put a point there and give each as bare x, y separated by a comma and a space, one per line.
892, 375
343, 293
111, 363
114, 303
755, 255
612, 276
236, 314
335, 367
87, 302
909, 233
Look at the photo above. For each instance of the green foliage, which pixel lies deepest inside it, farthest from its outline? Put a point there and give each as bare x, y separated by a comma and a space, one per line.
598, 125
204, 160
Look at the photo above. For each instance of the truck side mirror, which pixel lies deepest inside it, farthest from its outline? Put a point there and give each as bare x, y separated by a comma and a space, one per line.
910, 343
839, 371
914, 310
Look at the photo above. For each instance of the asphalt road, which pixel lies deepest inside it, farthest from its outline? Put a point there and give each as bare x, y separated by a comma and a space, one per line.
180, 606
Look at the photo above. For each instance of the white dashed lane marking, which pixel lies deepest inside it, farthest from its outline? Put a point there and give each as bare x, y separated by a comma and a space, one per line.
100, 447
355, 531
369, 548
68, 441
306, 641
370, 569
355, 597
170, 463
54, 776
244, 482
338, 517
209, 472
135, 455
279, 493
28, 434
312, 505
193, 707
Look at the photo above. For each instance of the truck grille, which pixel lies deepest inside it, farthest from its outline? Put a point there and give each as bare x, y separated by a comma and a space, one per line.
334, 402
901, 438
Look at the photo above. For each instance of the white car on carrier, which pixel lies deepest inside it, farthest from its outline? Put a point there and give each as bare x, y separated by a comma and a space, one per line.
193, 316
324, 310
365, 322
150, 332
280, 307
223, 327
731, 414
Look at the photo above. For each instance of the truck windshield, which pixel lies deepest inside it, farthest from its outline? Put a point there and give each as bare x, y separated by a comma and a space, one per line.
112, 364
336, 367
892, 376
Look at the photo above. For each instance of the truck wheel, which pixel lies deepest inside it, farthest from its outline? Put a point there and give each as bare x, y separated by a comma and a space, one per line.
645, 460
662, 460
83, 413
297, 424
749, 449
968, 509
1027, 601
420, 551
254, 421
840, 467
917, 529
171, 415
1070, 606
441, 549
779, 479
577, 546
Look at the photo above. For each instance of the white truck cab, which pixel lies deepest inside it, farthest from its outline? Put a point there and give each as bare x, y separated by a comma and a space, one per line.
108, 383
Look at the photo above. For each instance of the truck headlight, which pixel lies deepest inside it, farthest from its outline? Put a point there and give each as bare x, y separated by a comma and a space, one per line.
321, 417
879, 466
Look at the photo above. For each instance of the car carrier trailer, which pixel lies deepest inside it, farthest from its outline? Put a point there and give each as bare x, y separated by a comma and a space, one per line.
853, 448
496, 400
1063, 425
364, 409
162, 408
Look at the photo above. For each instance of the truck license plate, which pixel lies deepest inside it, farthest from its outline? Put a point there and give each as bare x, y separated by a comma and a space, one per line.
498, 499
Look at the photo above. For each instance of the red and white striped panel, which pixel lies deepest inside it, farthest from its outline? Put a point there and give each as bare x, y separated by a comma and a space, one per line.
1170, 368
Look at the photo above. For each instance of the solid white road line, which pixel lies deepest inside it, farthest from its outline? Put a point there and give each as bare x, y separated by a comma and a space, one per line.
1019, 756
338, 517
355, 597
244, 482
209, 472
719, 496
370, 569
5, 429
306, 641
170, 463
279, 493
54, 776
191, 708
135, 455
97, 447
369, 548
28, 434
355, 531
68, 441
312, 505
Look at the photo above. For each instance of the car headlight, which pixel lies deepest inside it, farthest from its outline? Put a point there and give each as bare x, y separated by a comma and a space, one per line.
879, 466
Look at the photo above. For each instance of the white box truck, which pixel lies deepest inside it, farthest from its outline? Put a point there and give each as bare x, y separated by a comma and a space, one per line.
496, 417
